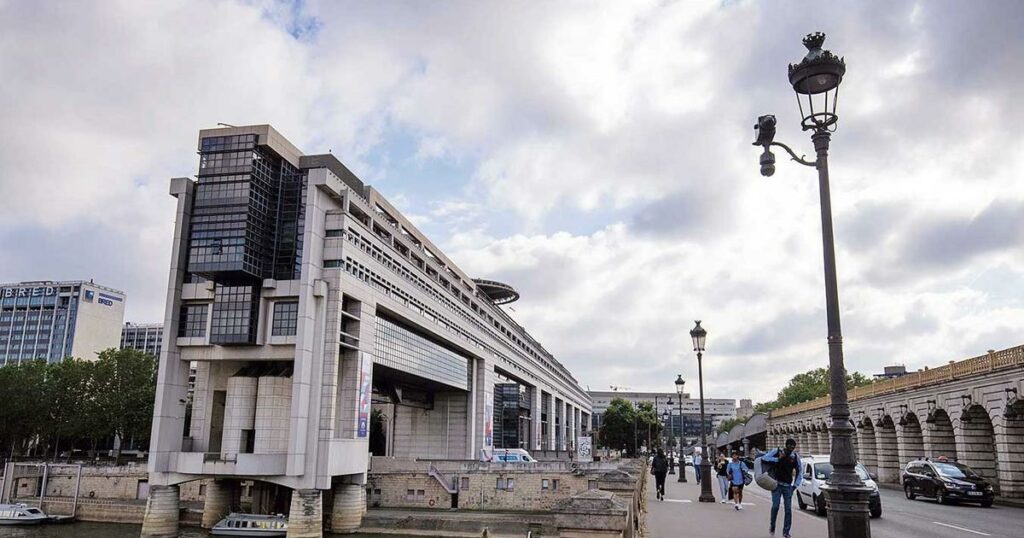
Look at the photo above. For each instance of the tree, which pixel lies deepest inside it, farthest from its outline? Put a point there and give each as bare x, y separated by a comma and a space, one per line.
808, 386
125, 392
618, 425
727, 425
69, 389
648, 425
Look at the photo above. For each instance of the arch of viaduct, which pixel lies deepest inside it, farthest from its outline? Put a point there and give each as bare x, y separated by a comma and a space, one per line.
971, 411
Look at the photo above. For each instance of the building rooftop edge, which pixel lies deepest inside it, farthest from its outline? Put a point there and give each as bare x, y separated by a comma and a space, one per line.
59, 283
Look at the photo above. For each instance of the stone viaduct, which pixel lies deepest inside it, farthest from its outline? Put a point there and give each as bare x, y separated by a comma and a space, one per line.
970, 411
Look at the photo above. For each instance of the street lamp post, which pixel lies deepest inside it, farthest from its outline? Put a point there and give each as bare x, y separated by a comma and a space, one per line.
667, 416
682, 429
816, 78
698, 334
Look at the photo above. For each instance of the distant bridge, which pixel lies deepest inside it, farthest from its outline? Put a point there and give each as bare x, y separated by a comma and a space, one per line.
968, 410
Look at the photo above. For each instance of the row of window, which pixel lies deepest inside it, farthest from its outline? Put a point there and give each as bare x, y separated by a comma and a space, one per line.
192, 321
375, 252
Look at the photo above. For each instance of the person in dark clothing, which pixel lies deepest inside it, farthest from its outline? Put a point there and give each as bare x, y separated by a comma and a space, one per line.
659, 468
786, 471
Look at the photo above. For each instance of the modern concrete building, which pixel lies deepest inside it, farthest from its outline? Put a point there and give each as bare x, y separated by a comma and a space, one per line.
54, 320
147, 337
317, 316
715, 410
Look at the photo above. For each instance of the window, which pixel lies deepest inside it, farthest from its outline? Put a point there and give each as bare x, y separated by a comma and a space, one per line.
465, 482
286, 317
554, 484
545, 484
192, 321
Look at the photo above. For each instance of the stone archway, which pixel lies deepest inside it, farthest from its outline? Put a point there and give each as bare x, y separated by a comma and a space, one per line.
976, 443
911, 439
938, 435
1010, 450
887, 453
867, 447
809, 444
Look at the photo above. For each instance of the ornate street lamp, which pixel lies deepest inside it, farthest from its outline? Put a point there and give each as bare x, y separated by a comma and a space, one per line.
816, 79
698, 334
682, 428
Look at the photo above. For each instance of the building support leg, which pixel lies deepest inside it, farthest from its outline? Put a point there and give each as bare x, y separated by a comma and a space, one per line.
221, 497
162, 506
305, 518
349, 505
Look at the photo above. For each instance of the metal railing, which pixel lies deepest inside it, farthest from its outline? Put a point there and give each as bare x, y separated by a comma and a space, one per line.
996, 360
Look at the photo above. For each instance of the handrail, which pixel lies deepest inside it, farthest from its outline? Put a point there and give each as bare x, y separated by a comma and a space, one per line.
982, 364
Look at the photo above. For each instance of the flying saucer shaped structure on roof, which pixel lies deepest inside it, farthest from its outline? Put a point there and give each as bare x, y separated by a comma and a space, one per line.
498, 292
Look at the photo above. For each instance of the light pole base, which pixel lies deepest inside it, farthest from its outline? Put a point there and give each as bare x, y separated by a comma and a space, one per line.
848, 515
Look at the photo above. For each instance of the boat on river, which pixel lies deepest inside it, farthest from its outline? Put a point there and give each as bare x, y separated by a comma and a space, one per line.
21, 514
254, 525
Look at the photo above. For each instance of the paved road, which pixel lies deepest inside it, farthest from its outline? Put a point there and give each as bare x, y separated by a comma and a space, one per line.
680, 515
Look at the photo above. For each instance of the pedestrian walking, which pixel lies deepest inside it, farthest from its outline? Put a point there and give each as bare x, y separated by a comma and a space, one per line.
659, 468
737, 471
786, 471
697, 460
721, 471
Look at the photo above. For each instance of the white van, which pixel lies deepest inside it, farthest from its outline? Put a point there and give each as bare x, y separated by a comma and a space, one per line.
511, 455
817, 471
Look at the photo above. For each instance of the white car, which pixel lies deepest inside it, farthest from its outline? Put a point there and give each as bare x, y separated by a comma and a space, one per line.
817, 470
689, 460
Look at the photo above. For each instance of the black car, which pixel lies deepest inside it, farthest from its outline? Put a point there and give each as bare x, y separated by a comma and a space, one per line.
946, 481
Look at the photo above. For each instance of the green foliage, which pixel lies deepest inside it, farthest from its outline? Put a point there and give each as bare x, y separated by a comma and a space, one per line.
51, 407
808, 386
627, 427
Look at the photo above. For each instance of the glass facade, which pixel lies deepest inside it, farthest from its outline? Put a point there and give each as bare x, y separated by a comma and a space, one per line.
147, 338
247, 226
512, 422
401, 349
37, 321
235, 311
286, 318
192, 320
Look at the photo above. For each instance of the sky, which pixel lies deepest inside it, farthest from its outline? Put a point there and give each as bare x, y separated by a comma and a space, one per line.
595, 155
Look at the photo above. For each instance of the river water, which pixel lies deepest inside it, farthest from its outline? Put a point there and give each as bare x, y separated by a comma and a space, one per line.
107, 530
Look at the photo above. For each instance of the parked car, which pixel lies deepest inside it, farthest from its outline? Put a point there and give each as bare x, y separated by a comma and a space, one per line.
817, 471
689, 460
946, 481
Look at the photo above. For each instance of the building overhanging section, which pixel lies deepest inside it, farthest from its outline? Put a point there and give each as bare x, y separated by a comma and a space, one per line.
407, 353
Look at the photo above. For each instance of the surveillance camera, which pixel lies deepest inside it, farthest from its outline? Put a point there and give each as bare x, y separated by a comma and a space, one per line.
765, 130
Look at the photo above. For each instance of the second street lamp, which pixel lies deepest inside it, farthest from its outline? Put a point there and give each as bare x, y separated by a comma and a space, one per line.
698, 334
816, 79
682, 429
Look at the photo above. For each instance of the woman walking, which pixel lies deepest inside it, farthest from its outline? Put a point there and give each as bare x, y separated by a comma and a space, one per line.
659, 468
721, 469
737, 471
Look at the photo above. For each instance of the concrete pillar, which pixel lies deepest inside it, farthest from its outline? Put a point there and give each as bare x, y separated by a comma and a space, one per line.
239, 414
221, 496
824, 442
349, 505
938, 437
887, 453
551, 422
161, 519
483, 399
911, 442
570, 426
305, 517
1010, 451
536, 441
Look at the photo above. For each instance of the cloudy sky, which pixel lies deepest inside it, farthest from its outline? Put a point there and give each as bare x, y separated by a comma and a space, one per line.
594, 154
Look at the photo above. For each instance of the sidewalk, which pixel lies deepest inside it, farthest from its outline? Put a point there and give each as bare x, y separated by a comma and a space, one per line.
680, 515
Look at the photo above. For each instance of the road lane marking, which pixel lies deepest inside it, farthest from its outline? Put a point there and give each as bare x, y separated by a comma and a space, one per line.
678, 500
961, 528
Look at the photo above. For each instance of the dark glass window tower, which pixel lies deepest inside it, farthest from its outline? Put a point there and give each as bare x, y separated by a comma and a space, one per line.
247, 225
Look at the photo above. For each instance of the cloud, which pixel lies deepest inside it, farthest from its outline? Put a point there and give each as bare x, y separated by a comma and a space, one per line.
598, 159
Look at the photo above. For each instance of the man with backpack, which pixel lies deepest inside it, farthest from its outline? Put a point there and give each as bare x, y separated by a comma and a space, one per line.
785, 469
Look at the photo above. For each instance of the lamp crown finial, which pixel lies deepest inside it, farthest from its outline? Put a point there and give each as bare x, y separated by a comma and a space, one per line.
814, 41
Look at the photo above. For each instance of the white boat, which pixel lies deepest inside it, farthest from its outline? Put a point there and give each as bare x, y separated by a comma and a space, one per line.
20, 514
251, 525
